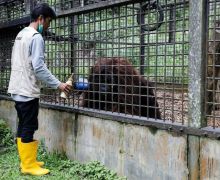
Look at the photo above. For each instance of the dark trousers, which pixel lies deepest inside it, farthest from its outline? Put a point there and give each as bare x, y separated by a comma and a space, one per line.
28, 119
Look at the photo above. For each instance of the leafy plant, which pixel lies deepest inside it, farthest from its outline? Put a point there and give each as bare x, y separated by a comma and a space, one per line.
93, 170
6, 137
60, 166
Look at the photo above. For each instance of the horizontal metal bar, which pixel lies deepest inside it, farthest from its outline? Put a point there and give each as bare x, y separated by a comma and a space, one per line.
78, 10
138, 44
3, 2
105, 5
4, 97
95, 6
152, 123
16, 22
175, 4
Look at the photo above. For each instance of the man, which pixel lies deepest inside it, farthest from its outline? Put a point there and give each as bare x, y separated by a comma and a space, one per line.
27, 70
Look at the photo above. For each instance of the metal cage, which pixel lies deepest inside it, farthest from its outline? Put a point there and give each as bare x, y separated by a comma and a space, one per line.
151, 35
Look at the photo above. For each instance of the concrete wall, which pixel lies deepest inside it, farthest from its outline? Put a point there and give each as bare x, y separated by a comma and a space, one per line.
137, 152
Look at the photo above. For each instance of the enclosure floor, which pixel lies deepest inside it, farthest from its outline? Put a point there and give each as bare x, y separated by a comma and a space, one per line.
173, 106
214, 119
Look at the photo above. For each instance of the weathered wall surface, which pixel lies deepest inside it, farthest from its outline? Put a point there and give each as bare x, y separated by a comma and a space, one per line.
137, 152
210, 159
131, 150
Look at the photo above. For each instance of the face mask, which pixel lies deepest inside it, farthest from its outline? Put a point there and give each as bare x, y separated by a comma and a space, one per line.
40, 28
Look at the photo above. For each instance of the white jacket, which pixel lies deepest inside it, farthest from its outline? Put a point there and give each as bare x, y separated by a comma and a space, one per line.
23, 80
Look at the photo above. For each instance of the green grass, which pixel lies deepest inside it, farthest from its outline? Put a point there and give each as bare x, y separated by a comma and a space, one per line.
60, 167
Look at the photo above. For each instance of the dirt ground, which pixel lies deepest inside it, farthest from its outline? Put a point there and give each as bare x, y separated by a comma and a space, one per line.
214, 119
173, 106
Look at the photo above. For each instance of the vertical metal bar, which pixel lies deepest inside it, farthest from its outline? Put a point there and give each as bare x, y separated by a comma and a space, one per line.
118, 46
125, 47
73, 27
214, 87
142, 42
172, 23
197, 58
112, 53
174, 64
105, 20
165, 63
183, 66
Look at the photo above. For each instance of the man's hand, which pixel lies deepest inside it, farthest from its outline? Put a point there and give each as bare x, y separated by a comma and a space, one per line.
65, 87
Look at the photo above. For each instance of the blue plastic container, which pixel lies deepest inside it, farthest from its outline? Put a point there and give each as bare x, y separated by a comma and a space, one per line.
81, 84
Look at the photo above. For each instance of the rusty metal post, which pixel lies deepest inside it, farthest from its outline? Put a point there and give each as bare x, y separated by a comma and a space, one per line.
197, 62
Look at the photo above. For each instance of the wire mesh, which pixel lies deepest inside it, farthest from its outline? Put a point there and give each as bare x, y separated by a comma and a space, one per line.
144, 47
13, 9
7, 39
213, 64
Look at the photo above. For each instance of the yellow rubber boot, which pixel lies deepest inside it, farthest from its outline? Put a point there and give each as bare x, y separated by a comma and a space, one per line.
28, 153
39, 163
